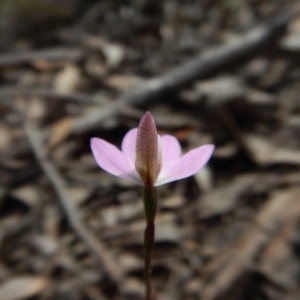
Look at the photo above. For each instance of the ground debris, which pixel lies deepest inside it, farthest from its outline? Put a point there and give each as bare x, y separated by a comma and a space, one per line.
218, 72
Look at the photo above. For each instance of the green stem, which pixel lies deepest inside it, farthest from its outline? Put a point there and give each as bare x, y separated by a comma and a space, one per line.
149, 195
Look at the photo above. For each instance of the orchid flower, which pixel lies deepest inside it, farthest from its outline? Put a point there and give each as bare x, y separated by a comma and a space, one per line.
148, 159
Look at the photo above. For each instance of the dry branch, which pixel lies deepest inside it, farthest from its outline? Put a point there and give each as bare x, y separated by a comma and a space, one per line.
70, 210
48, 94
196, 68
57, 54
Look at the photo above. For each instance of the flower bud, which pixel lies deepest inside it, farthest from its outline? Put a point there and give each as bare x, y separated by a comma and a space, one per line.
148, 155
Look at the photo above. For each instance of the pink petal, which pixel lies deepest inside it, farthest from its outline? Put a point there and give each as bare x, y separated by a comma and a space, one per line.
112, 160
129, 146
171, 151
187, 165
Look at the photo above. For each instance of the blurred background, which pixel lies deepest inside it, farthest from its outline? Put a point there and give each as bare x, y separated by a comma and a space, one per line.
225, 72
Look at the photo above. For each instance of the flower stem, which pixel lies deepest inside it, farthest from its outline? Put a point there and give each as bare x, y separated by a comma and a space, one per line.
148, 244
149, 195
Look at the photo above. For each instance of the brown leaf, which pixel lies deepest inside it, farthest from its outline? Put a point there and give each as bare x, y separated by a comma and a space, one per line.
67, 80
123, 82
22, 287
60, 130
265, 152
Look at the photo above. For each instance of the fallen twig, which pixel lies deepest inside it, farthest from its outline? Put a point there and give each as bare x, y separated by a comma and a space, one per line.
56, 54
49, 94
197, 68
70, 210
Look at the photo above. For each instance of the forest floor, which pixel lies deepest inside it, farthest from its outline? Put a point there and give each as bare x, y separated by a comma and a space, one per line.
220, 72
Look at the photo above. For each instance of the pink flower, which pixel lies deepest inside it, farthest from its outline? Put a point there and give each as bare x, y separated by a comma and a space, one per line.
148, 159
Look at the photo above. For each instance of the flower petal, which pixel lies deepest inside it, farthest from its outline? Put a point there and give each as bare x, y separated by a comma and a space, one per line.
129, 146
112, 160
187, 165
171, 151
